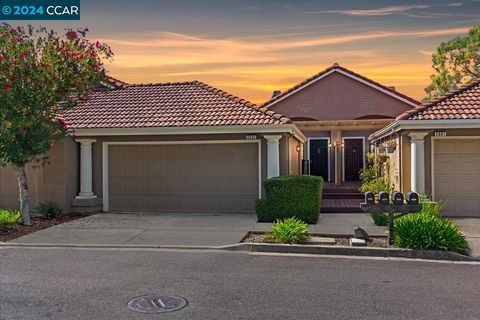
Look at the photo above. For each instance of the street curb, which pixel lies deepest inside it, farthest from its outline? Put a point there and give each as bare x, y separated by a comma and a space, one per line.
350, 251
274, 248
103, 246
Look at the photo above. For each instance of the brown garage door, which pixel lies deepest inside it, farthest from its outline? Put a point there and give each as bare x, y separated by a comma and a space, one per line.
457, 175
183, 178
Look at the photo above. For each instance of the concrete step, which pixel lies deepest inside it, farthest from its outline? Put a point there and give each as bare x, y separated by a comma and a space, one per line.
343, 195
338, 205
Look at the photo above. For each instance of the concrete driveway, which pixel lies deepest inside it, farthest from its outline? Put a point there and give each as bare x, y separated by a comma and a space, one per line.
471, 228
188, 230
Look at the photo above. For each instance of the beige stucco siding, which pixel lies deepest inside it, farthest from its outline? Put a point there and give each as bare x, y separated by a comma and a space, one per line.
56, 181
338, 97
295, 156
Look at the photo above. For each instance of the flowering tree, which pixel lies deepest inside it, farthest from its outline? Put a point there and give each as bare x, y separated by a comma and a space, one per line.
41, 72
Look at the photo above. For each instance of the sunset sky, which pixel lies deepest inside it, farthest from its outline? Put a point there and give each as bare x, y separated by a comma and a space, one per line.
250, 48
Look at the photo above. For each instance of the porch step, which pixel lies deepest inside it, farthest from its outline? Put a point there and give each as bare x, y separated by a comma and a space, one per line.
348, 205
342, 195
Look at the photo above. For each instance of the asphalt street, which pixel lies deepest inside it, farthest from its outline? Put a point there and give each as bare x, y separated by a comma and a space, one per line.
98, 283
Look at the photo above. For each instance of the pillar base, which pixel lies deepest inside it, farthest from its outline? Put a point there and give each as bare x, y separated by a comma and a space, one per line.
86, 196
87, 205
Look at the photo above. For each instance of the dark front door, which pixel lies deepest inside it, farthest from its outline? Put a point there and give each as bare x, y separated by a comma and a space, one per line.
353, 154
319, 158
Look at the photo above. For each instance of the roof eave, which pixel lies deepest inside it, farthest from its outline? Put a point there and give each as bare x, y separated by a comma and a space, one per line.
349, 74
400, 125
235, 129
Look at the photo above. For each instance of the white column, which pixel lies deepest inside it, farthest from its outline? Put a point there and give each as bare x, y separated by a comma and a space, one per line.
86, 191
417, 153
273, 155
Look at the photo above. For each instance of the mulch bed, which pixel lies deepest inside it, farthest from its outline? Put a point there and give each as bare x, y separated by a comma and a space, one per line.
37, 223
339, 241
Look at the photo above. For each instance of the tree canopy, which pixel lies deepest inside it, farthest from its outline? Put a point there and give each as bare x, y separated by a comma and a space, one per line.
456, 62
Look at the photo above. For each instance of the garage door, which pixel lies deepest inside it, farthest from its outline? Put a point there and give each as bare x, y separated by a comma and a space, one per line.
457, 175
217, 178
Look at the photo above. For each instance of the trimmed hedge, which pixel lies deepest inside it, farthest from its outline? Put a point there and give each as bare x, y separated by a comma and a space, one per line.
291, 196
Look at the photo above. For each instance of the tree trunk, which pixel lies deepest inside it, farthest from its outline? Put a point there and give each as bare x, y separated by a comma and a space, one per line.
23, 190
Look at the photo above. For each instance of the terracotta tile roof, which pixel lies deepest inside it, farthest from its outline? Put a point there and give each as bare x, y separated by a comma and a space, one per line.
177, 104
336, 66
463, 103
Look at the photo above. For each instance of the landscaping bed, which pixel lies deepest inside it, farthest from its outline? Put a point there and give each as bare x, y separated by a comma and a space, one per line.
343, 240
37, 223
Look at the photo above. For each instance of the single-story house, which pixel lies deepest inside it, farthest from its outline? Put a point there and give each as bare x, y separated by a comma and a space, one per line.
438, 150
169, 147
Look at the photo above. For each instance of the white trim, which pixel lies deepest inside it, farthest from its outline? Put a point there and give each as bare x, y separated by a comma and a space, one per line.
425, 124
368, 83
432, 156
328, 148
343, 153
105, 171
236, 129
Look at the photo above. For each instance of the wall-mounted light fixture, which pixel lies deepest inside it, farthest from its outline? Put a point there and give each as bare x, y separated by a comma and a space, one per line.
298, 148
330, 145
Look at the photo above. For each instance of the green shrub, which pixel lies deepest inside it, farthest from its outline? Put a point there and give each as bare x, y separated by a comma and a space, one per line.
9, 219
430, 207
428, 232
49, 210
380, 219
291, 196
289, 230
376, 185
368, 173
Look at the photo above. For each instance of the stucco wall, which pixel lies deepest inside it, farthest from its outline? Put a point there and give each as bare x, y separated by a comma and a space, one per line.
338, 97
56, 181
295, 156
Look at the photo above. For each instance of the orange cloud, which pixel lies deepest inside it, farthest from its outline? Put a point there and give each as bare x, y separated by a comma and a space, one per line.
252, 67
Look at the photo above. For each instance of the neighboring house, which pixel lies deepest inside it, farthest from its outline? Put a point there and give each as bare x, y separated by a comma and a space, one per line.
337, 109
172, 147
438, 150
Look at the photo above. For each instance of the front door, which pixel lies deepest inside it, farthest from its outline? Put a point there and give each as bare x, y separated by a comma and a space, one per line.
319, 158
353, 156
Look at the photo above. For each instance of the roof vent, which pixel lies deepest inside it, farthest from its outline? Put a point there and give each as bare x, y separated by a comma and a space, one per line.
276, 93
336, 65
392, 88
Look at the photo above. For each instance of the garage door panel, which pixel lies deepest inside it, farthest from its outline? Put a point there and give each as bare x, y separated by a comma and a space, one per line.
445, 147
444, 165
467, 165
184, 178
468, 146
457, 176
468, 206
444, 186
467, 186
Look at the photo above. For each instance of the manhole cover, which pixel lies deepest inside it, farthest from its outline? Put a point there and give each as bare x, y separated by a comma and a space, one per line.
157, 303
